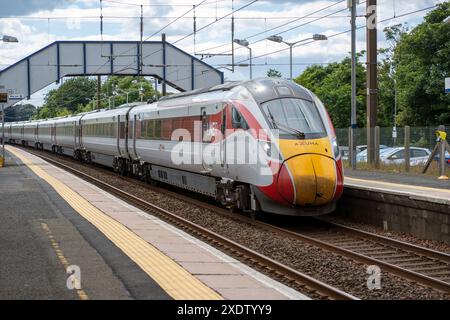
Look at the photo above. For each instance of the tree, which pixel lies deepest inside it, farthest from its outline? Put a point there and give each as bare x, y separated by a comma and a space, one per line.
332, 84
79, 94
20, 112
119, 86
273, 73
422, 62
387, 87
68, 98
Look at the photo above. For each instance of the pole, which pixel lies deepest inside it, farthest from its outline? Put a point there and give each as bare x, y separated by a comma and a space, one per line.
353, 80
290, 61
442, 164
371, 107
232, 36
407, 143
377, 146
3, 137
163, 87
99, 85
251, 68
140, 43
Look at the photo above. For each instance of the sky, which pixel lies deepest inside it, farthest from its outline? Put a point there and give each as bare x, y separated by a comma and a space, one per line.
37, 23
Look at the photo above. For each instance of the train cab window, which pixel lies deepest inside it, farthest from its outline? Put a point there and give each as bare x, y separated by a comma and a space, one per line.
237, 120
294, 117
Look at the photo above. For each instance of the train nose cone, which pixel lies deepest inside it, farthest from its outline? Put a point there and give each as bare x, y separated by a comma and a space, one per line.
313, 177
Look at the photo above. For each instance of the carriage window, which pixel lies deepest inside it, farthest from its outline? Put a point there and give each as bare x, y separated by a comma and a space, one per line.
158, 128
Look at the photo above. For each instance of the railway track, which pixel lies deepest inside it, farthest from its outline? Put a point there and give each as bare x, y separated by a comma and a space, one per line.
276, 270
421, 265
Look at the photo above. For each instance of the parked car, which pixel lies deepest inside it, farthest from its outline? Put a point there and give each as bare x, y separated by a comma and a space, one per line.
417, 156
362, 156
397, 155
447, 157
359, 150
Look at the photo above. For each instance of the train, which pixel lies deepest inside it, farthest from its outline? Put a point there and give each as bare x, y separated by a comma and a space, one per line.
264, 145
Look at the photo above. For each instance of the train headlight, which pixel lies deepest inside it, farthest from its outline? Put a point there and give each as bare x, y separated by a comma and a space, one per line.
335, 147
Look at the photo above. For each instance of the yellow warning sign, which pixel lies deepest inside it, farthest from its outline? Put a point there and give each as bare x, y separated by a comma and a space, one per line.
442, 135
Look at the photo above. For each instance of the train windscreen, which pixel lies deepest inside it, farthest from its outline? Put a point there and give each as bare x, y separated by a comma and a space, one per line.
294, 117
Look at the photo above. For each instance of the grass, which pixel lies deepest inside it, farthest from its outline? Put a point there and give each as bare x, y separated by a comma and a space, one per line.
433, 170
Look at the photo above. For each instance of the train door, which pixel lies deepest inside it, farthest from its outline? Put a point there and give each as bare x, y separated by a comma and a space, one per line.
118, 135
205, 138
78, 134
121, 136
53, 133
223, 141
133, 135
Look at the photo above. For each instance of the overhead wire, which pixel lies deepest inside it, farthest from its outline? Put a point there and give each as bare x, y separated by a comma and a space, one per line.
280, 26
342, 32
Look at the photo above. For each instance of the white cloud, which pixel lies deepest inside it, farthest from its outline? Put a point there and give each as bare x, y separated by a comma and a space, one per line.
33, 33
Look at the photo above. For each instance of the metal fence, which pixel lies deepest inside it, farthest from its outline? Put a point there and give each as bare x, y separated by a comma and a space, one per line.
419, 137
423, 137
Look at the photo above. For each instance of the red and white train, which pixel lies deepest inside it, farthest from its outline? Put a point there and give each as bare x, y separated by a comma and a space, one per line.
262, 145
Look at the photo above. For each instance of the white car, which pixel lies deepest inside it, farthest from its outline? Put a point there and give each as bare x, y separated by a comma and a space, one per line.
417, 156
362, 155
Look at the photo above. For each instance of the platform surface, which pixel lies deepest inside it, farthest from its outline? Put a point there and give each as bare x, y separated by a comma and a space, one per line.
51, 219
423, 188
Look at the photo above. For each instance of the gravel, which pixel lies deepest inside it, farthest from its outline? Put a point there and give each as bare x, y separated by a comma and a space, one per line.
325, 266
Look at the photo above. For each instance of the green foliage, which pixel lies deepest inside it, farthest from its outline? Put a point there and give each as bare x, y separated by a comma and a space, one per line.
412, 67
422, 62
78, 95
20, 112
273, 73
120, 85
332, 84
66, 99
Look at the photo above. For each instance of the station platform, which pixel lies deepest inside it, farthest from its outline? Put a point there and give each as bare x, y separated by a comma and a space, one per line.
423, 188
417, 206
53, 223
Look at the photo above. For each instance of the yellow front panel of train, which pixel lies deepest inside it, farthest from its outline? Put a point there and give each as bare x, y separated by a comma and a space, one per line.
312, 169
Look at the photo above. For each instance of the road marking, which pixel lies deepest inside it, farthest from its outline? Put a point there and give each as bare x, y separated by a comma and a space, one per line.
172, 278
60, 254
399, 186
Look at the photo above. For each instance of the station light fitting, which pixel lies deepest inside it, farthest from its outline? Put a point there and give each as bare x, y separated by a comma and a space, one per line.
9, 39
278, 39
242, 42
319, 37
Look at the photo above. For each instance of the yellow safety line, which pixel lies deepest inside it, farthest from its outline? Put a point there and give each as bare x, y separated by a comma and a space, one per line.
60, 254
172, 278
382, 183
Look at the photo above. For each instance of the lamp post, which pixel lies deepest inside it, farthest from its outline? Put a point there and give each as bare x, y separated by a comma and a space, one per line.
244, 43
5, 38
447, 20
279, 39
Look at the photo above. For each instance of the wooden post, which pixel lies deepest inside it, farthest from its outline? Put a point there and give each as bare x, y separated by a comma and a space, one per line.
442, 164
350, 152
377, 147
407, 142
